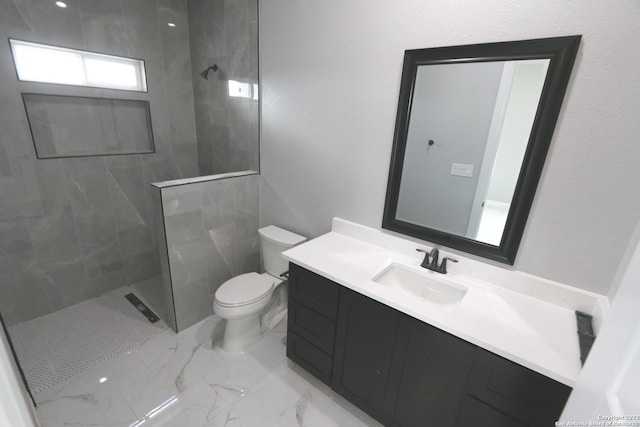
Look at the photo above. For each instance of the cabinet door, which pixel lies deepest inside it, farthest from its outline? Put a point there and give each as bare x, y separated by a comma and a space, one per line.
365, 340
428, 376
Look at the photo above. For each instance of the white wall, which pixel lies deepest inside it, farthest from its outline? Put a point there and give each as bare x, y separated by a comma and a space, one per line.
330, 75
608, 383
15, 407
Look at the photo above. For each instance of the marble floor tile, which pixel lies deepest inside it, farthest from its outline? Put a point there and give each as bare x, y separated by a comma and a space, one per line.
87, 409
200, 405
289, 396
187, 380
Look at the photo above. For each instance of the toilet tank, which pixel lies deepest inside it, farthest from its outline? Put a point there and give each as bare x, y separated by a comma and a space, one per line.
273, 241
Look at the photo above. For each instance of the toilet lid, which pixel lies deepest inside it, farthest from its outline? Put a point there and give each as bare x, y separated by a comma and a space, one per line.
244, 289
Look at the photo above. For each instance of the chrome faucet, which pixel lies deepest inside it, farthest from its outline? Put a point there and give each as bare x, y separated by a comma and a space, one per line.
433, 264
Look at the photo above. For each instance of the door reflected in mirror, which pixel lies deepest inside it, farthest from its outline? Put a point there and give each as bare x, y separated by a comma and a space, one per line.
468, 132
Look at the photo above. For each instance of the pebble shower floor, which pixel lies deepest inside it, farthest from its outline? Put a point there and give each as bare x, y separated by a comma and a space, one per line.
56, 347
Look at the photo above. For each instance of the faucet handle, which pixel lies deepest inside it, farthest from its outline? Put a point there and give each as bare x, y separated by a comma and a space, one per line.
435, 254
425, 261
443, 267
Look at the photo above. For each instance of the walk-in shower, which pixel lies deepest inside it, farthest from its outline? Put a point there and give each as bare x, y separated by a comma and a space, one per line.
78, 154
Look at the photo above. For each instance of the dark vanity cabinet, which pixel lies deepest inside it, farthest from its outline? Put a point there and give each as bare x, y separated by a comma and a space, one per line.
404, 372
311, 327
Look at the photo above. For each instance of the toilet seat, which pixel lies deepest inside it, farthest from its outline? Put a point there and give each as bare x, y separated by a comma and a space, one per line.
245, 289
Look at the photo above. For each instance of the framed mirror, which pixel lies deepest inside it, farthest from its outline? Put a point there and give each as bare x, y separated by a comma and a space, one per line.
473, 129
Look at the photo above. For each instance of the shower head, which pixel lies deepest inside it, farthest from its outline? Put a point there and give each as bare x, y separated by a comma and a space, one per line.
205, 73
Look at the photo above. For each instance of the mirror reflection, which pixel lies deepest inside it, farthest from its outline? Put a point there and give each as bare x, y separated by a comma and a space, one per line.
468, 131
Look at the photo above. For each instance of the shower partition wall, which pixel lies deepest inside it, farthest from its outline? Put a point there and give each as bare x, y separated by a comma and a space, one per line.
208, 233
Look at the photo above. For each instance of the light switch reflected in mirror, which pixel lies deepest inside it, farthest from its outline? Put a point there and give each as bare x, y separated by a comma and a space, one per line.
473, 129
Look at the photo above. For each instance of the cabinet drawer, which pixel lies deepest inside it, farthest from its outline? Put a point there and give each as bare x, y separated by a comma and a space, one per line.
314, 291
475, 413
311, 358
517, 391
313, 326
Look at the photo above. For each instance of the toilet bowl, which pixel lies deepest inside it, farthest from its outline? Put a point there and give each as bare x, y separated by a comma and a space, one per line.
241, 299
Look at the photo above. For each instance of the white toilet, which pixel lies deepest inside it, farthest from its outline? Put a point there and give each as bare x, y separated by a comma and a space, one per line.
241, 299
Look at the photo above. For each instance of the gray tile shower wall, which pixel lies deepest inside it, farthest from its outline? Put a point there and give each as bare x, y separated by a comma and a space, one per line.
75, 228
92, 126
225, 33
211, 230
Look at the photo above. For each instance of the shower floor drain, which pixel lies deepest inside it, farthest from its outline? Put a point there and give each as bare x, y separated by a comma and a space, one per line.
56, 347
142, 308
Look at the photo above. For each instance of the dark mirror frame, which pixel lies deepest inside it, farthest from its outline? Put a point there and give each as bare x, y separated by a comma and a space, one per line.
562, 52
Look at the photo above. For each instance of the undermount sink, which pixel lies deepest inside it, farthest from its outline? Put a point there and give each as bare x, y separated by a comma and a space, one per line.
433, 287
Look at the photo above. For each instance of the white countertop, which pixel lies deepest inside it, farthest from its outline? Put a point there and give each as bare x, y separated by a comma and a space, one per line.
534, 333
